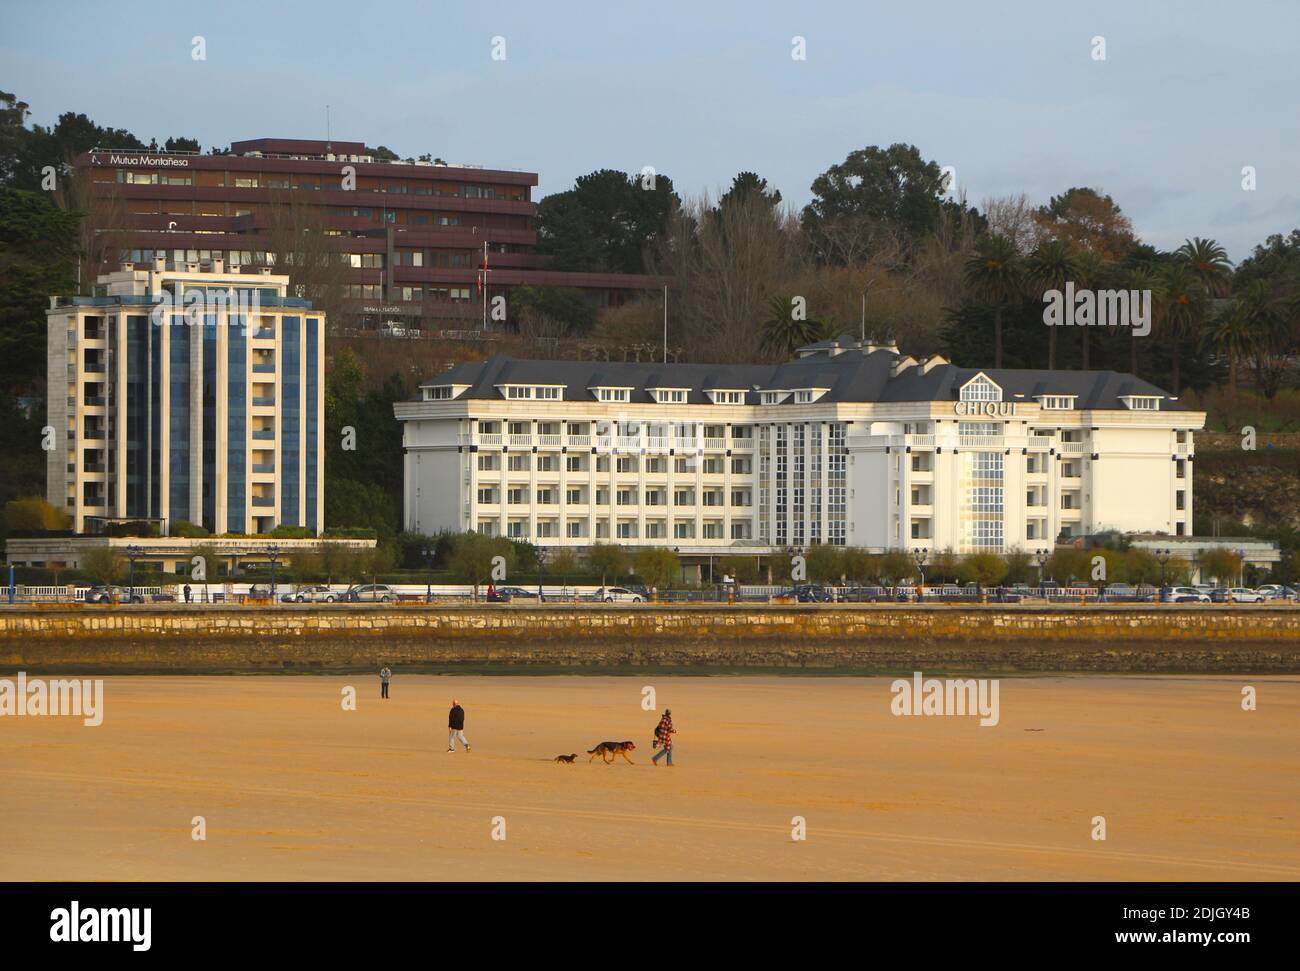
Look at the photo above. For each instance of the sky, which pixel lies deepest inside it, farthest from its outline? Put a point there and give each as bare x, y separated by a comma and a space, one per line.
1009, 93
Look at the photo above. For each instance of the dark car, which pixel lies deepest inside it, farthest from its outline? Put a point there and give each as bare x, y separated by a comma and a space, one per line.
865, 595
807, 594
517, 593
495, 596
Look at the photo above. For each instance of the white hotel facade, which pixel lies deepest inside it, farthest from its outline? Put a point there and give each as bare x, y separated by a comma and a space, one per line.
850, 443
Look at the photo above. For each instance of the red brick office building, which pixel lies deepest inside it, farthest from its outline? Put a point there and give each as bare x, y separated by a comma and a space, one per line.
413, 231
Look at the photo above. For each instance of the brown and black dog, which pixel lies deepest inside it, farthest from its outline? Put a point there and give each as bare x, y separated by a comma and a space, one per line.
566, 758
609, 750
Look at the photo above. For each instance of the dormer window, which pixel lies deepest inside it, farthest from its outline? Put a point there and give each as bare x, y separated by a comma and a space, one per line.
980, 388
728, 397
1056, 402
669, 396
613, 394
774, 397
1141, 402
444, 393
529, 392
806, 396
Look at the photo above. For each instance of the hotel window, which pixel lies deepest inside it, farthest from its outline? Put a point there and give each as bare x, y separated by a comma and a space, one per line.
740, 497
682, 464
1142, 403
656, 464
713, 530
684, 497
1180, 499
980, 388
437, 394
602, 463
741, 529
574, 529
655, 497
684, 529
487, 496
728, 397
1181, 467
773, 397
548, 463
602, 497
670, 396
573, 497
547, 497
551, 394
713, 466
517, 391
655, 529
627, 463
613, 394
575, 463
602, 530
487, 527
517, 529
626, 497
517, 497
1054, 402
627, 529
547, 529
803, 397
518, 463
742, 466
489, 463
578, 428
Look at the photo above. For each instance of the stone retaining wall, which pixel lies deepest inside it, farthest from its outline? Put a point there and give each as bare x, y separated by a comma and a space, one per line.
815, 638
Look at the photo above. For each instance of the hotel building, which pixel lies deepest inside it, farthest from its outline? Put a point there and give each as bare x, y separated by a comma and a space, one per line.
181, 394
412, 231
850, 443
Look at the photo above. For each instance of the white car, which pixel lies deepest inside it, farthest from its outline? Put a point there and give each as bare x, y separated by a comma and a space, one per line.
1186, 595
1273, 591
619, 595
1245, 595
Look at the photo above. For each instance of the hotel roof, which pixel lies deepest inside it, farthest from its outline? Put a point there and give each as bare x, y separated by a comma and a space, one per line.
848, 370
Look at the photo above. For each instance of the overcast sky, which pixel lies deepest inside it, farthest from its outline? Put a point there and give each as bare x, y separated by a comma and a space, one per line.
1007, 92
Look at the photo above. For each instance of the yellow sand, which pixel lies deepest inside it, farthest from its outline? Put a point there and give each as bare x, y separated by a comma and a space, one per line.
293, 787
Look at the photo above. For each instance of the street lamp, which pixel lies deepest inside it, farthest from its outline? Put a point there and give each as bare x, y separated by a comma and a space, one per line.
427, 552
1162, 557
541, 563
920, 555
133, 553
273, 554
1041, 558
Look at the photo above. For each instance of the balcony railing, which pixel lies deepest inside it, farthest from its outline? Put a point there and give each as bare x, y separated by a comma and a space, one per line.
264, 434
1073, 448
264, 368
263, 501
263, 466
265, 400
980, 441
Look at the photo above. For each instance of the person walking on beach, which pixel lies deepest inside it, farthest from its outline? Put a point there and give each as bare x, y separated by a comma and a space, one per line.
664, 738
384, 675
456, 726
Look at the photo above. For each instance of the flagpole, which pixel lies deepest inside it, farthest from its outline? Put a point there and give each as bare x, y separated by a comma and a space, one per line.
484, 272
665, 323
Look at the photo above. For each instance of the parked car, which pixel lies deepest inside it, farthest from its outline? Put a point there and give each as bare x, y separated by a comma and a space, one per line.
619, 595
1180, 595
371, 593
316, 593
496, 596
259, 591
1241, 595
1274, 591
864, 595
517, 593
113, 595
807, 593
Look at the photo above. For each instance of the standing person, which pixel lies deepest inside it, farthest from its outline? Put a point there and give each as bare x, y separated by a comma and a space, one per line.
187, 593
664, 738
456, 726
384, 675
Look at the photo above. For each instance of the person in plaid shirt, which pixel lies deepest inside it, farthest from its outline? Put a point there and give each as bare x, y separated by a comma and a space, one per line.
664, 738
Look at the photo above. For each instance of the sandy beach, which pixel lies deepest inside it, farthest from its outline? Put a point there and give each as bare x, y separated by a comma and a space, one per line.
293, 787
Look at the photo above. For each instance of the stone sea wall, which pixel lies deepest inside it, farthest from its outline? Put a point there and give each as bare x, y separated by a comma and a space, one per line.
551, 638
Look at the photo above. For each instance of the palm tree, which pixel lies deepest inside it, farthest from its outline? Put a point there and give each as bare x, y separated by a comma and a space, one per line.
1092, 271
783, 333
1050, 267
1179, 300
995, 271
1209, 264
1139, 279
1232, 335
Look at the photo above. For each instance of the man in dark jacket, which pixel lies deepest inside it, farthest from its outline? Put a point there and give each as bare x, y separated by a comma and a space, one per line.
456, 726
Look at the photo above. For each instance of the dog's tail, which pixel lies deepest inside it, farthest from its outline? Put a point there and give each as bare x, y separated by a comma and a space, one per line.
590, 751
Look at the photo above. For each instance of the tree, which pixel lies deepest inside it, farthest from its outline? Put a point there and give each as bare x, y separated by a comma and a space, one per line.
983, 569
180, 144
995, 273
33, 514
1179, 305
38, 252
656, 566
570, 310
1050, 267
746, 186
471, 558
895, 566
1209, 263
606, 223
872, 193
783, 331
1020, 567
607, 559
1088, 221
101, 565
826, 564
1223, 566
